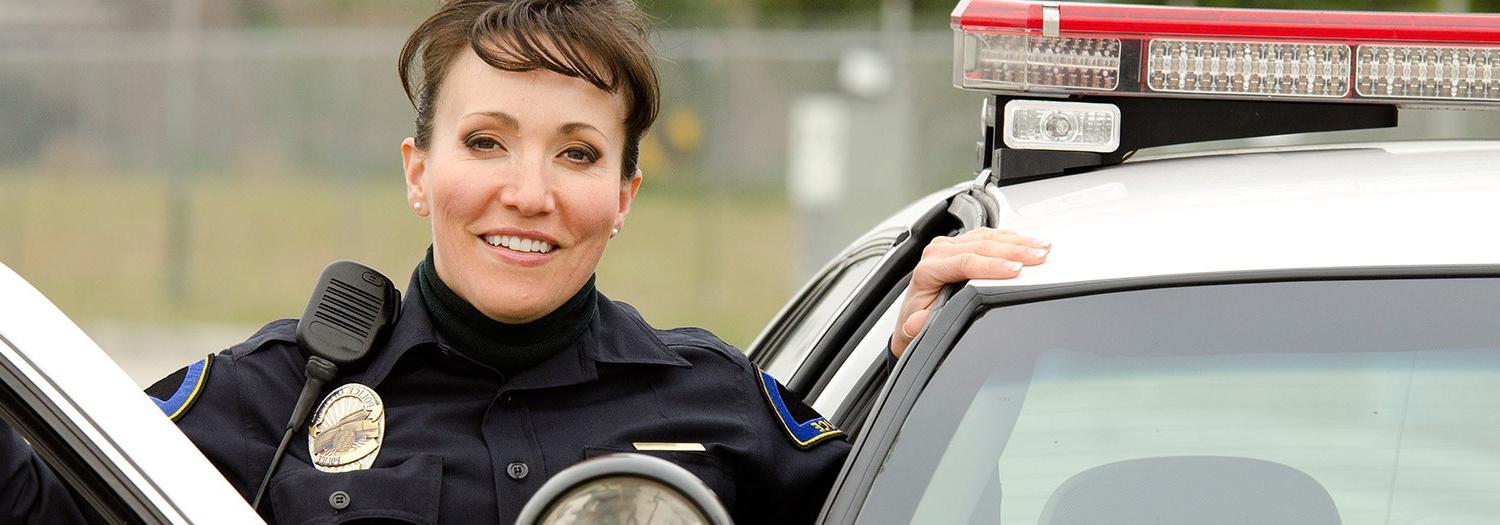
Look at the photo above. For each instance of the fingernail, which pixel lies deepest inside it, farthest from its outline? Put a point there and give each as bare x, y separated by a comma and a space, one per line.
1037, 252
1042, 243
1013, 266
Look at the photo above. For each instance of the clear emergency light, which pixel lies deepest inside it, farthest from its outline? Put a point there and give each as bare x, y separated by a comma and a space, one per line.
1409, 59
1065, 126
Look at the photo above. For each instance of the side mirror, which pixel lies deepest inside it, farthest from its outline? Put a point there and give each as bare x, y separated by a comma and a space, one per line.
624, 488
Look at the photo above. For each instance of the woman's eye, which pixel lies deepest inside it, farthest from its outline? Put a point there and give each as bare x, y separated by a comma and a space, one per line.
580, 155
483, 144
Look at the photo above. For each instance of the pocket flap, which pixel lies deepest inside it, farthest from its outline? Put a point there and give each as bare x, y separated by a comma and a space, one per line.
408, 493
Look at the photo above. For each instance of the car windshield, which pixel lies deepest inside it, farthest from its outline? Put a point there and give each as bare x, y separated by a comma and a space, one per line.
1361, 401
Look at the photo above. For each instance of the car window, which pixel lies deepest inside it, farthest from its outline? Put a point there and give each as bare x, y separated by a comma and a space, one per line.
33, 487
810, 320
1321, 402
847, 379
60, 474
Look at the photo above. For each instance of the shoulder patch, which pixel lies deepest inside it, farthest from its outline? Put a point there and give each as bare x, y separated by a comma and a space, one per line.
803, 424
176, 393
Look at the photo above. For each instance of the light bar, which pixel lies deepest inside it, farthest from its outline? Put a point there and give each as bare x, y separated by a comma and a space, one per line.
1248, 68
1038, 47
1023, 62
1065, 126
1429, 72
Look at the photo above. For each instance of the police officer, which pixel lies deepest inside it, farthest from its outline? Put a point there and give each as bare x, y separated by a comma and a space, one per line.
507, 365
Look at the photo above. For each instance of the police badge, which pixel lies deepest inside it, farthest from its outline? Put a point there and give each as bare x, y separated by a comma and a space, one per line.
347, 429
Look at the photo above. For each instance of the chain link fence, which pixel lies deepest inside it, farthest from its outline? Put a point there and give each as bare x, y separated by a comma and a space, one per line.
170, 176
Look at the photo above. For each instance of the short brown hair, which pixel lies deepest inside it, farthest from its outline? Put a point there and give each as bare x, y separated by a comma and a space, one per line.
601, 41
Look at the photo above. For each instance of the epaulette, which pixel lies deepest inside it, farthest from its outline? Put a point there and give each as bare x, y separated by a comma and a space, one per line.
281, 330
176, 393
803, 425
692, 337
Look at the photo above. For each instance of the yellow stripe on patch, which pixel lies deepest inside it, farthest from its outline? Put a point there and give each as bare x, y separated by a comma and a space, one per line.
197, 387
819, 428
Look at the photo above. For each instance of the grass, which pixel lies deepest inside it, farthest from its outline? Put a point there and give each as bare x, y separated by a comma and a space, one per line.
100, 248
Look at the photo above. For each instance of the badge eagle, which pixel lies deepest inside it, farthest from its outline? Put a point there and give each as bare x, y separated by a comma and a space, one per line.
347, 429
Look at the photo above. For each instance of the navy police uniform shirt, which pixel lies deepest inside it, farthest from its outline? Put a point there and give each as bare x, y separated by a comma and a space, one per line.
462, 444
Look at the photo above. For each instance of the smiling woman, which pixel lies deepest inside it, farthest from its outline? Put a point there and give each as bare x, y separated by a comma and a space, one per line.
506, 364
529, 121
522, 184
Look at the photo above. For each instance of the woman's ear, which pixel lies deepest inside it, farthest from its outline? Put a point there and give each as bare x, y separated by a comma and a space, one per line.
628, 188
414, 163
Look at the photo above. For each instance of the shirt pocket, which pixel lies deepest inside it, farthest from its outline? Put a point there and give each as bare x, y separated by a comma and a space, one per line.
702, 464
405, 493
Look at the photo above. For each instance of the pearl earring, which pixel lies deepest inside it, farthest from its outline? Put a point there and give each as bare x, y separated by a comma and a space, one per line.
613, 232
417, 206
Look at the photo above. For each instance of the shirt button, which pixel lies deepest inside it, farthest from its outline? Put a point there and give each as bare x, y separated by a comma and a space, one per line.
517, 470
339, 500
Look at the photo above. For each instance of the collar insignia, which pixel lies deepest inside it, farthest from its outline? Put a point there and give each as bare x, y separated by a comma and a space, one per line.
347, 429
668, 447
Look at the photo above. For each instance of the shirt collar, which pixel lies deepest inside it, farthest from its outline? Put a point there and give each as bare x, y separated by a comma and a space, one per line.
616, 335
412, 329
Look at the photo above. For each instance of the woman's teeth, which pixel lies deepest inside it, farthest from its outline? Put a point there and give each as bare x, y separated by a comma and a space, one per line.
520, 244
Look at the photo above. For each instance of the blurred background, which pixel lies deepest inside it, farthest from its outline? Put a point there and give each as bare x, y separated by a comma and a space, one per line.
175, 173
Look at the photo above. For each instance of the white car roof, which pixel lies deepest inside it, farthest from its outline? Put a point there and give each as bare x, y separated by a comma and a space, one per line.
1377, 204
111, 410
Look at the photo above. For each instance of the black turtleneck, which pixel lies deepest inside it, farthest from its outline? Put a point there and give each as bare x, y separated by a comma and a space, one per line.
507, 348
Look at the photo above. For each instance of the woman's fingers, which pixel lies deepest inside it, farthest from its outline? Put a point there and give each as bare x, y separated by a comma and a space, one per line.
914, 324
932, 273
1010, 251
982, 253
992, 234
907, 329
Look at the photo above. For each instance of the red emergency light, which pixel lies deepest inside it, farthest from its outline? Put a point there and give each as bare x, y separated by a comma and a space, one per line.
1078, 48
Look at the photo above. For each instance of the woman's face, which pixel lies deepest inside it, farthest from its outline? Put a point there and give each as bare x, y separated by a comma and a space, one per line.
521, 182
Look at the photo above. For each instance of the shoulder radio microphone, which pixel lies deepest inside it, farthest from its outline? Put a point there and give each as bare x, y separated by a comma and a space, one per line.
352, 308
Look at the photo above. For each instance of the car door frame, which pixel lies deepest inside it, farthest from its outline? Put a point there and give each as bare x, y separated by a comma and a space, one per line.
58, 436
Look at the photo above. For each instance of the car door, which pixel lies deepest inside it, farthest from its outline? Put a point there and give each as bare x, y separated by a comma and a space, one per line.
1347, 395
94, 427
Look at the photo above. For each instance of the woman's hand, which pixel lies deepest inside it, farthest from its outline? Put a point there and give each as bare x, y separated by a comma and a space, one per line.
983, 253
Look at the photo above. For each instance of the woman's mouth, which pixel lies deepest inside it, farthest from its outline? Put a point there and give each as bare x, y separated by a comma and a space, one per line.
518, 250
519, 244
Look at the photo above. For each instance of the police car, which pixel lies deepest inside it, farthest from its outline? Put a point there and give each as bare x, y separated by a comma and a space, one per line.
1284, 335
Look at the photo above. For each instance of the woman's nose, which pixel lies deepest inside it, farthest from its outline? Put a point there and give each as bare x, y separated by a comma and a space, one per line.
528, 190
